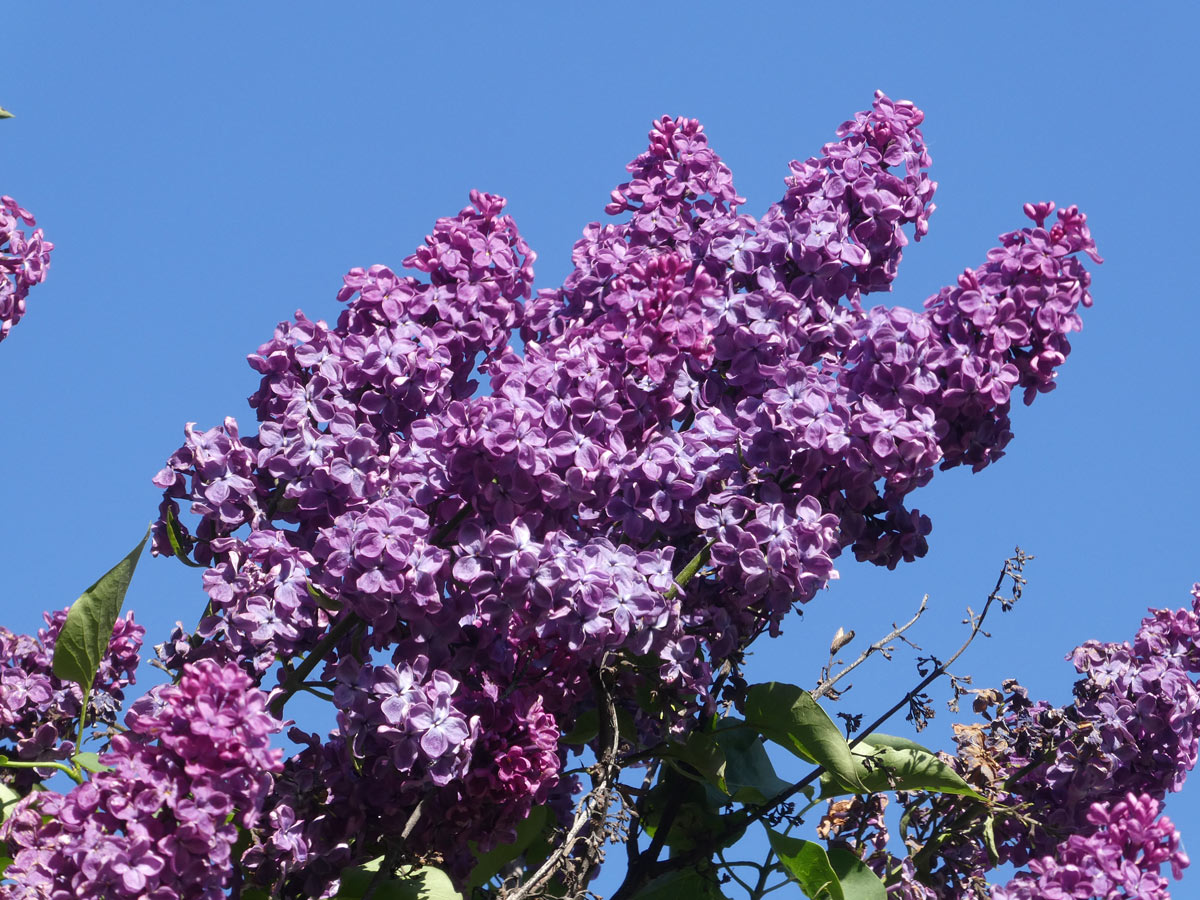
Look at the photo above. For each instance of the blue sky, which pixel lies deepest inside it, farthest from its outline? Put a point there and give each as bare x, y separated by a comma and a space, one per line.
206, 170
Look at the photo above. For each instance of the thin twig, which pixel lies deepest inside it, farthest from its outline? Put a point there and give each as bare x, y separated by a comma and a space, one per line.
736, 823
631, 844
878, 647
595, 804
722, 862
413, 819
940, 669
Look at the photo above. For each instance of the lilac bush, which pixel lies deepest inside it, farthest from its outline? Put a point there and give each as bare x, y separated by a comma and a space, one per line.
510, 564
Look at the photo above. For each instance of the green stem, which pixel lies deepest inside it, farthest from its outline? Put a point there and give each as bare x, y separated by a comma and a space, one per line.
694, 565
78, 771
296, 680
764, 872
76, 774
728, 866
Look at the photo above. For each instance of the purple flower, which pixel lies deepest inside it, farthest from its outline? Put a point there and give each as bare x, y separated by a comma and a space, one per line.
158, 823
705, 390
24, 260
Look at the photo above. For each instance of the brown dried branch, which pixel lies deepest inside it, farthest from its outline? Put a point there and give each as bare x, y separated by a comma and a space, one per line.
880, 646
592, 809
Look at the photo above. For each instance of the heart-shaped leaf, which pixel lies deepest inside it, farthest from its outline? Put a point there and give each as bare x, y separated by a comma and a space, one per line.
857, 880
702, 754
90, 762
749, 775
493, 861
409, 883
684, 883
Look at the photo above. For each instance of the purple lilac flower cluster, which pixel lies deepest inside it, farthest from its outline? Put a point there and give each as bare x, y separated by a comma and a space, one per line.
357, 793
259, 606
161, 823
24, 260
1122, 857
407, 715
706, 393
1080, 782
39, 712
1133, 729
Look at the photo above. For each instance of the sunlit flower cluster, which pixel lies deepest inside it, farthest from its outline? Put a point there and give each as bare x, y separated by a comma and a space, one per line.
706, 392
24, 259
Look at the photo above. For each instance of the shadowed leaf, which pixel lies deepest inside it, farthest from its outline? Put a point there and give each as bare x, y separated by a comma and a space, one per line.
889, 763
687, 883
789, 716
492, 862
808, 865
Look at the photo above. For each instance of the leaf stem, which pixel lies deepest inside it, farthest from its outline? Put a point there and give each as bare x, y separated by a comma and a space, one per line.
75, 773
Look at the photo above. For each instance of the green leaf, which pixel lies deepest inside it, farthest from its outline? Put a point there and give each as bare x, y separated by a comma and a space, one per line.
8, 798
989, 839
587, 726
702, 752
808, 865
356, 880
857, 880
84, 637
491, 863
682, 883
90, 762
879, 739
789, 716
322, 599
697, 818
897, 763
254, 894
429, 883
5, 861
175, 537
749, 775
409, 883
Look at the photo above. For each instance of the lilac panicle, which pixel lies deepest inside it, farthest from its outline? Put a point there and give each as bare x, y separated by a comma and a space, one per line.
1121, 858
161, 823
706, 390
1076, 790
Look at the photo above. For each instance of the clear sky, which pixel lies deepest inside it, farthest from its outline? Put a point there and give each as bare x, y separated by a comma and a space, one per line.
206, 169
